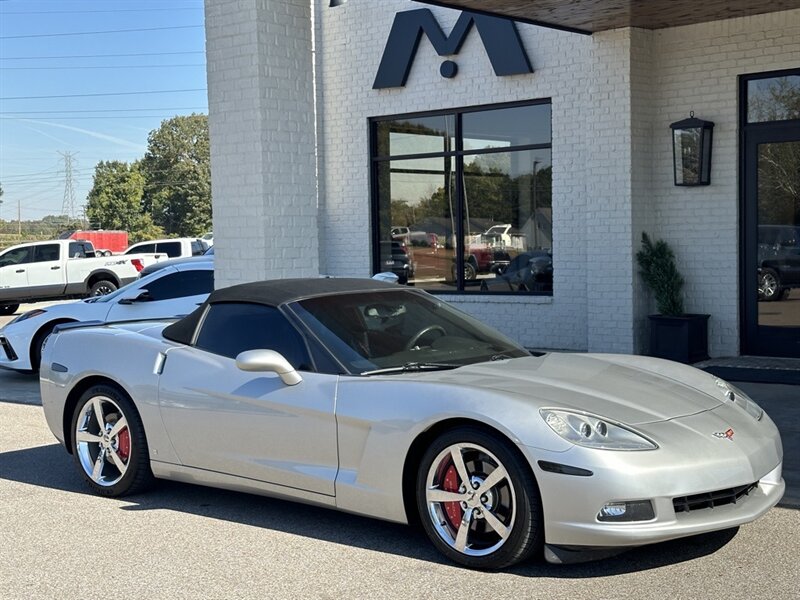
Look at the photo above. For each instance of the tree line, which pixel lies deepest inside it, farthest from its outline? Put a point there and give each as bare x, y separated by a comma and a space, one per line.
165, 193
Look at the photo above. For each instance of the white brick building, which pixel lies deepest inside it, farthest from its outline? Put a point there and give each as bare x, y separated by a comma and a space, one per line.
298, 179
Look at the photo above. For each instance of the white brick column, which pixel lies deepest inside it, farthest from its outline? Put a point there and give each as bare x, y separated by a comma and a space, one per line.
261, 119
619, 204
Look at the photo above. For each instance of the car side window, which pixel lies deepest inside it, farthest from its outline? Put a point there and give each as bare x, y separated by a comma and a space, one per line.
46, 253
181, 284
171, 249
231, 328
18, 256
197, 248
76, 250
141, 249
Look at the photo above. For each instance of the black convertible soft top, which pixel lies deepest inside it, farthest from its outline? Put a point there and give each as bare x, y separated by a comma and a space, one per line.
271, 293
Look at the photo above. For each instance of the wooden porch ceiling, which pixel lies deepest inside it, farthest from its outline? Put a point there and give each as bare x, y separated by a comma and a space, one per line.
588, 16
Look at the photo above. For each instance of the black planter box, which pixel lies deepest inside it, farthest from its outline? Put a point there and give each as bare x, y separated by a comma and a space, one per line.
682, 339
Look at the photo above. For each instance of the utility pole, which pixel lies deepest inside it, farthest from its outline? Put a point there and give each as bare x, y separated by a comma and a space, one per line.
68, 205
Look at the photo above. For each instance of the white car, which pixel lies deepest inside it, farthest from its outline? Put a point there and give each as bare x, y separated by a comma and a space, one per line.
169, 291
173, 248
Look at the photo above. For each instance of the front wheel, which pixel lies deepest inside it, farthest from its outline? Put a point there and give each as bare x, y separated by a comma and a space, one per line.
478, 501
109, 444
8, 309
103, 287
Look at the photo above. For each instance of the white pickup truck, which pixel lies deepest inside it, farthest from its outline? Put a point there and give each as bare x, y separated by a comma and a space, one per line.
61, 269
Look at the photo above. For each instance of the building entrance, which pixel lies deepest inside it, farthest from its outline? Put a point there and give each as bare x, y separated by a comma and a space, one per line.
771, 196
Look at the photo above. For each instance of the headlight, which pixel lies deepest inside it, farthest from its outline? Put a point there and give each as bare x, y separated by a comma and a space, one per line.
25, 316
594, 432
731, 393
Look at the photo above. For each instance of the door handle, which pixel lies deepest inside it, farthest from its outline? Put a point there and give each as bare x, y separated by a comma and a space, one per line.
20, 271
56, 268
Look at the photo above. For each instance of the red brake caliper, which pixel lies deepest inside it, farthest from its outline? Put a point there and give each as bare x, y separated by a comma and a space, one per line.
124, 448
453, 509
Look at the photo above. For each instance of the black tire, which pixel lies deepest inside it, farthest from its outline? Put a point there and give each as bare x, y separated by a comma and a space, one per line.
470, 272
769, 285
102, 287
8, 309
512, 501
111, 480
37, 343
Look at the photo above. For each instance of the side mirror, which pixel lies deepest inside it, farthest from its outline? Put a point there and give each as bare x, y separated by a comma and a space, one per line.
268, 361
386, 276
136, 296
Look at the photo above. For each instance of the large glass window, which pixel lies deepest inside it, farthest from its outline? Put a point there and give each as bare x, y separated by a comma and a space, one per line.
463, 199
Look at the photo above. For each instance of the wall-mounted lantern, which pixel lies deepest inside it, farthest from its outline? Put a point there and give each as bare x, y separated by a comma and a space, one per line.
691, 151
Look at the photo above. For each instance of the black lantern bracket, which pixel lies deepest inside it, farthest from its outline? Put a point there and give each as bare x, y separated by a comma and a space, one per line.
692, 139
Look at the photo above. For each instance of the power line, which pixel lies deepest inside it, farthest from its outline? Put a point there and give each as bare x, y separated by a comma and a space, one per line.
44, 35
103, 94
100, 55
120, 118
116, 10
64, 68
99, 110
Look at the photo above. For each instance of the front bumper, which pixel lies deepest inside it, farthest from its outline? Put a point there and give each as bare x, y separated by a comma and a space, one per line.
686, 464
14, 354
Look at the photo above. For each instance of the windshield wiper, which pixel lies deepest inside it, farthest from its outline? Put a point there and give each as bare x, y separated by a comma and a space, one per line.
413, 367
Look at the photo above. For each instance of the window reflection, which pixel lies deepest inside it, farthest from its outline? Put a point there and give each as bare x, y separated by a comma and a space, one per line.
476, 218
773, 99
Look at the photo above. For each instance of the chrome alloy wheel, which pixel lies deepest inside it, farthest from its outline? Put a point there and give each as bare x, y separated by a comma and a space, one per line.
103, 441
767, 285
470, 499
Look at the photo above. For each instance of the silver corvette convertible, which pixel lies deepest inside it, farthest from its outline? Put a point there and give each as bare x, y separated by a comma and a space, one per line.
385, 401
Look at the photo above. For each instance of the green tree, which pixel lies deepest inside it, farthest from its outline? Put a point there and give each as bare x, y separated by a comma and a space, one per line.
177, 173
115, 200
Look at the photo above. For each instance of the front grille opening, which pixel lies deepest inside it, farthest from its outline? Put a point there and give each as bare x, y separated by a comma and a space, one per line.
712, 499
6, 346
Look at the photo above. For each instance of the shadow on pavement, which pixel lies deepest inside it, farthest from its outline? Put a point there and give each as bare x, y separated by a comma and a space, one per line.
55, 470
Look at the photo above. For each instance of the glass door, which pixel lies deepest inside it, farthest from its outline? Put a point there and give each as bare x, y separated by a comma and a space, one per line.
772, 216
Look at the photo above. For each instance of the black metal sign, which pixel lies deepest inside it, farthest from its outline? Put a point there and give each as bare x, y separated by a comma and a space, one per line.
500, 38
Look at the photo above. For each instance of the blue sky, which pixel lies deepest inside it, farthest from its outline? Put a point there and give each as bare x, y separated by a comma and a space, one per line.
99, 107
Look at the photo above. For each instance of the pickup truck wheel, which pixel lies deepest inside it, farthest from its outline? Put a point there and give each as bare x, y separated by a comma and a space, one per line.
102, 287
8, 309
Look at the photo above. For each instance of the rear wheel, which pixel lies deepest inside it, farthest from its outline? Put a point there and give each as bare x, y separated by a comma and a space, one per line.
102, 287
109, 444
478, 501
8, 309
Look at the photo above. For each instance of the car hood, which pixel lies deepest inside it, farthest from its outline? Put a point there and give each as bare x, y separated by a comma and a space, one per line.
627, 389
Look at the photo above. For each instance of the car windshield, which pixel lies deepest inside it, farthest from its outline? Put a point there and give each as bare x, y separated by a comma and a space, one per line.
401, 329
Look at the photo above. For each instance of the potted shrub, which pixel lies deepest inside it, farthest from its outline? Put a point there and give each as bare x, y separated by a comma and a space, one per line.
674, 334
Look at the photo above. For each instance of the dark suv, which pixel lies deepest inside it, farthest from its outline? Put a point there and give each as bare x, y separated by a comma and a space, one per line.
778, 260
394, 258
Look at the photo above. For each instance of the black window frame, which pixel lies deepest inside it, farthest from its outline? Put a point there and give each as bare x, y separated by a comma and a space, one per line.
457, 156
752, 340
